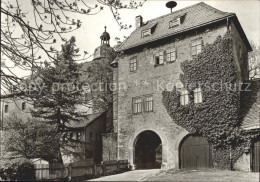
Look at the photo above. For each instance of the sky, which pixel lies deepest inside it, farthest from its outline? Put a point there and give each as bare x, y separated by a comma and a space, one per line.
246, 11
88, 36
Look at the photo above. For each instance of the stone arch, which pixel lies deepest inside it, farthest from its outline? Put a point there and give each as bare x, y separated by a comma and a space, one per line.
133, 140
194, 152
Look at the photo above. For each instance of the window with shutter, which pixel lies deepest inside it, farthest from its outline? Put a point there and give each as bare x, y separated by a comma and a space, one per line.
158, 58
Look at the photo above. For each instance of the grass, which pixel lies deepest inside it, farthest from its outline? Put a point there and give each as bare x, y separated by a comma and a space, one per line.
209, 175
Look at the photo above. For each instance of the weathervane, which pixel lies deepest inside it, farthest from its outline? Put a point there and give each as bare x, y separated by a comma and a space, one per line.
171, 4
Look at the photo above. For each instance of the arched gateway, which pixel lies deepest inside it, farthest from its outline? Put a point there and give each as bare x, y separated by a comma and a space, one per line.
195, 153
147, 150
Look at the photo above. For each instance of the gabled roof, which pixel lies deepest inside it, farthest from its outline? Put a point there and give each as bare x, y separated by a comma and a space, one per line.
193, 17
84, 122
252, 108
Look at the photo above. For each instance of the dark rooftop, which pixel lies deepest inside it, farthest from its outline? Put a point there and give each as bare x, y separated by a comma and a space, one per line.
194, 16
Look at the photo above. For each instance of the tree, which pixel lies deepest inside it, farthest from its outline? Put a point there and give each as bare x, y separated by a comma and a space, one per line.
254, 61
30, 139
57, 93
29, 31
57, 101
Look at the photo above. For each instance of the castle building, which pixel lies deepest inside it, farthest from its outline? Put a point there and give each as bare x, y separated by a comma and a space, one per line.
87, 134
148, 60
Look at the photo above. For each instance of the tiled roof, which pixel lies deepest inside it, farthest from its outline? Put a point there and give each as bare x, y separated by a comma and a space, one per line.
87, 120
193, 16
252, 115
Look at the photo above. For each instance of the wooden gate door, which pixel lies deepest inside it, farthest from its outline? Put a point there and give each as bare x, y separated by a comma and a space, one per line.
256, 157
195, 153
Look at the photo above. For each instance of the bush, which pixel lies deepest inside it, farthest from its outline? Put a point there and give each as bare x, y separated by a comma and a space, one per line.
18, 169
25, 171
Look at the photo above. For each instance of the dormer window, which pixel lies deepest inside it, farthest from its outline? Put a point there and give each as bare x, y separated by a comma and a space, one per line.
146, 32
175, 23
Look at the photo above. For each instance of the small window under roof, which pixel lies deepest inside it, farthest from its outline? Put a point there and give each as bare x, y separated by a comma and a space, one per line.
175, 23
146, 32
149, 30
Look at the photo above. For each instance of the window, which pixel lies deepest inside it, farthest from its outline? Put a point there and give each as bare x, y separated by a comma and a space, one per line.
146, 32
171, 55
6, 108
78, 136
71, 135
184, 97
90, 136
148, 103
174, 23
23, 106
158, 58
133, 65
196, 47
197, 95
137, 105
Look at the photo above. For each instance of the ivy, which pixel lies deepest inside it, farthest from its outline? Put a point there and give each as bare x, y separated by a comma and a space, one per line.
217, 117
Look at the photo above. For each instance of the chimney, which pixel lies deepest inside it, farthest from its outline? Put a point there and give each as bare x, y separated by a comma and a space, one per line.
138, 21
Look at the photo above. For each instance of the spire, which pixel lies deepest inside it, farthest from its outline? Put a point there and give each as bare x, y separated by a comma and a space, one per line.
105, 37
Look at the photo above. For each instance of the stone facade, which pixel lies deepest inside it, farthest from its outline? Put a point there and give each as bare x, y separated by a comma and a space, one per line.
109, 144
149, 79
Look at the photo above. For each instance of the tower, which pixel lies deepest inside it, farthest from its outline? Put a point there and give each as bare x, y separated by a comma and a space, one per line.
104, 51
105, 37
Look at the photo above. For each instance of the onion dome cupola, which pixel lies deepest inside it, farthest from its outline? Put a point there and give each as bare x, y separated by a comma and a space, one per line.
105, 37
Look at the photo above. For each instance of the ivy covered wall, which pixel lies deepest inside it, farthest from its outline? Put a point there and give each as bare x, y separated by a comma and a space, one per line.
217, 117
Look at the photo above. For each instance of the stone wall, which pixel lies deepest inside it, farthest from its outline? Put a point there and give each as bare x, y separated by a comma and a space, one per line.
241, 60
109, 141
149, 79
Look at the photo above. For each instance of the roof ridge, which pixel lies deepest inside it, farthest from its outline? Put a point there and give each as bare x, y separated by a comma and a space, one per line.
214, 9
175, 11
157, 19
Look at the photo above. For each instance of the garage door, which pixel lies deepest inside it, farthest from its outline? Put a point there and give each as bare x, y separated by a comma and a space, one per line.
256, 157
195, 153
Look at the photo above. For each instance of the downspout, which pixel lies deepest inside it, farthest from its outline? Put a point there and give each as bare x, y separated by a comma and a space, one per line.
1, 127
117, 113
